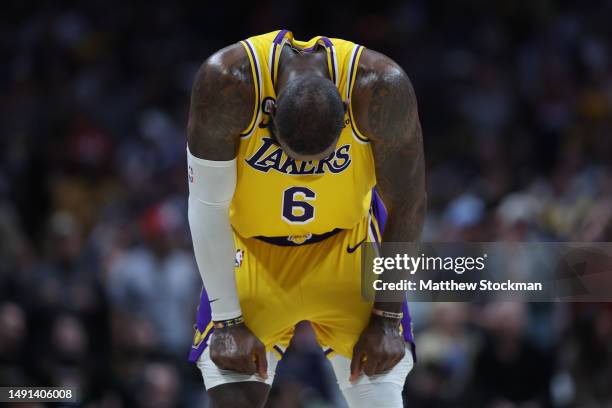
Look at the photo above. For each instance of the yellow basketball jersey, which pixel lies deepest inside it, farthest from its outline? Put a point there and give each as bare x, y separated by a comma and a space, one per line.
277, 196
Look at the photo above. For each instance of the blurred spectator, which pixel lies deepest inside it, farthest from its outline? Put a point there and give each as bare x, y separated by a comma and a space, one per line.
13, 335
446, 350
157, 281
160, 387
509, 371
587, 357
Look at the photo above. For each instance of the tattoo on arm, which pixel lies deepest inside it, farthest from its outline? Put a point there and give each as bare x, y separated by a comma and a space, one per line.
398, 151
222, 103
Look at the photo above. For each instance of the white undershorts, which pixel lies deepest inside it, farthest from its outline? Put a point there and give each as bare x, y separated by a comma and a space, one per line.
363, 388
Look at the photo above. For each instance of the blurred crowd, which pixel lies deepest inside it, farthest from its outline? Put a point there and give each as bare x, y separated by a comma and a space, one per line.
98, 284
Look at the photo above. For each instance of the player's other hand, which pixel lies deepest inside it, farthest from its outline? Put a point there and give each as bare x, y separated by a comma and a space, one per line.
379, 348
236, 348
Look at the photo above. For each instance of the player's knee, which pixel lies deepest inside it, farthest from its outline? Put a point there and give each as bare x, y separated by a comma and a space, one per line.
245, 394
374, 395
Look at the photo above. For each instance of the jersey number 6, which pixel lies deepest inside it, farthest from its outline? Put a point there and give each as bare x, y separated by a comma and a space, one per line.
296, 209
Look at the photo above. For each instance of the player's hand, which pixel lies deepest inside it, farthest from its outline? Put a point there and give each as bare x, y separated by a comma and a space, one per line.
379, 348
236, 348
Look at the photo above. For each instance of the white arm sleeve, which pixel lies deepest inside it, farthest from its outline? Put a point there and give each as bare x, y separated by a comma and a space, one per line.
211, 187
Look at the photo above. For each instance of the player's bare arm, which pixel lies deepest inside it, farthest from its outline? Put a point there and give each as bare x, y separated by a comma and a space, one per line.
386, 111
222, 104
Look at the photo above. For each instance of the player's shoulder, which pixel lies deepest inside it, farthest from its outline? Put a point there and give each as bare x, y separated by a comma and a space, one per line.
375, 67
230, 64
222, 103
381, 86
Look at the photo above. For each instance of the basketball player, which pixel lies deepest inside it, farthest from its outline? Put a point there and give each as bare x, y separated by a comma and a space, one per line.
290, 144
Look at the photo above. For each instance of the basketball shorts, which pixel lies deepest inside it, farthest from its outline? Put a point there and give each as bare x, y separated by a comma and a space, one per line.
279, 286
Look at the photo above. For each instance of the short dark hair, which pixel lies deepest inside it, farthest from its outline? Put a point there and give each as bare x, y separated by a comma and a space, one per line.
309, 114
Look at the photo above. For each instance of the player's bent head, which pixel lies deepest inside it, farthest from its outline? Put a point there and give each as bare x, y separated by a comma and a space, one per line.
309, 117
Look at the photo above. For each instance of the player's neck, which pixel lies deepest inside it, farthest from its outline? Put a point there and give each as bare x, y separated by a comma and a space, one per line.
292, 65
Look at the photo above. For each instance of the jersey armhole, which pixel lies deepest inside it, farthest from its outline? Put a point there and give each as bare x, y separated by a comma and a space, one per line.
356, 55
257, 86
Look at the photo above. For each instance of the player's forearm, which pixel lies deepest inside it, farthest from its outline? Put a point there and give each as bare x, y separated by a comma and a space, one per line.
211, 187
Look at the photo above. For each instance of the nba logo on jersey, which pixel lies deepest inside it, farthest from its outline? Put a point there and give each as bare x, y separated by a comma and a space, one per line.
239, 257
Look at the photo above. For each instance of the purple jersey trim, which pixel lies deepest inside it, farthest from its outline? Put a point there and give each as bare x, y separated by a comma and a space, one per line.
280, 36
330, 45
350, 85
278, 40
327, 41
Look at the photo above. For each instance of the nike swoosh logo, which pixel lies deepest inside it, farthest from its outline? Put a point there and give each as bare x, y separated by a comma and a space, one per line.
353, 249
214, 300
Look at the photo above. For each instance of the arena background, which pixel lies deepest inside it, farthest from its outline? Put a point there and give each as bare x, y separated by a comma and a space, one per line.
97, 280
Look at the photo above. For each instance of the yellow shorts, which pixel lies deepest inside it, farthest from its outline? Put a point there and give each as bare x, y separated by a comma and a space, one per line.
279, 286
